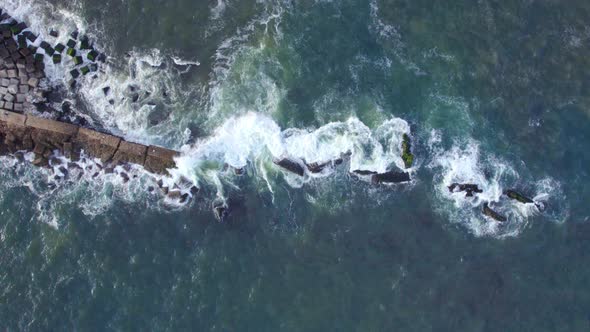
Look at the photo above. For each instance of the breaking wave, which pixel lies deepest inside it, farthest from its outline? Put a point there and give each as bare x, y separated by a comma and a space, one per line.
465, 162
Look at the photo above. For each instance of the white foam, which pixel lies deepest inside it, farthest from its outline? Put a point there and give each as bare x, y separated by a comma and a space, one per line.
247, 139
466, 163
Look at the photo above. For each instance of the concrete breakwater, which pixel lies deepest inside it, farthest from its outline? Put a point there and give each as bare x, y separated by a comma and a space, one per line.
22, 94
20, 132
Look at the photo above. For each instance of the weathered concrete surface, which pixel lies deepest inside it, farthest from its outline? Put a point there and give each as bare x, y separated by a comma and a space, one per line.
159, 159
130, 153
49, 132
12, 119
42, 136
97, 144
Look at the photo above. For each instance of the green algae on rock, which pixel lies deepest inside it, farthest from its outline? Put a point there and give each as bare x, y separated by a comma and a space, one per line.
407, 155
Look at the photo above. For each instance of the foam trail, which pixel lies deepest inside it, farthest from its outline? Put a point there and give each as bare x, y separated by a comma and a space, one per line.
254, 137
465, 163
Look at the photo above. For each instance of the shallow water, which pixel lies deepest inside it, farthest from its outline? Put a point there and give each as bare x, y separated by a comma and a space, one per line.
490, 93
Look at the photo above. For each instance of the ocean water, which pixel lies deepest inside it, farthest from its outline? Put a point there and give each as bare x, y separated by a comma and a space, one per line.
491, 93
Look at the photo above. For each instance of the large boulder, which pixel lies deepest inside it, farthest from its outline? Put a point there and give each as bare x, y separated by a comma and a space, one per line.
512, 194
291, 166
468, 188
487, 211
391, 177
515, 195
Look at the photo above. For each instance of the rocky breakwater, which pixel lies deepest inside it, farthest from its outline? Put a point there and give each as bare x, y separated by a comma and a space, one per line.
27, 131
47, 138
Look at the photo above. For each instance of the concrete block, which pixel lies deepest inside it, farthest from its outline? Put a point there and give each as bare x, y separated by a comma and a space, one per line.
52, 126
33, 82
97, 144
12, 119
131, 153
159, 159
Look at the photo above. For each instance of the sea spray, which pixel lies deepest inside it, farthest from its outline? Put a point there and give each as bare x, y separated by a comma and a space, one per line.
466, 162
244, 140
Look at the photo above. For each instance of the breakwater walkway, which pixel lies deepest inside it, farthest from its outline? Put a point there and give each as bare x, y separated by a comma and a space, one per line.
20, 132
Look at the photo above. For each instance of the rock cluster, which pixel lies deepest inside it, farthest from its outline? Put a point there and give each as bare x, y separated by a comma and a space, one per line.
470, 189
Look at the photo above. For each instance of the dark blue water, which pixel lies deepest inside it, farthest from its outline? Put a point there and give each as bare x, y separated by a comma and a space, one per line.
492, 93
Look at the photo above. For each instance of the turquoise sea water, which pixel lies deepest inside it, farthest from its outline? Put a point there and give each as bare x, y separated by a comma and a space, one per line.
491, 92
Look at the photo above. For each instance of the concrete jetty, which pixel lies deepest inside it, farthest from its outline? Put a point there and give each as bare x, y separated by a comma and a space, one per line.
22, 132
22, 95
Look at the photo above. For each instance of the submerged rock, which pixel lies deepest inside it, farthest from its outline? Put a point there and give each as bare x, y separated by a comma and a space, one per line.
220, 210
317, 167
513, 194
468, 188
492, 214
291, 166
363, 172
518, 196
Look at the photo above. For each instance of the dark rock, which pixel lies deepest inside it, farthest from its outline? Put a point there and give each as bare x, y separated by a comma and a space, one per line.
106, 90
92, 55
64, 171
84, 43
194, 190
492, 214
71, 43
74, 35
517, 196
75, 73
174, 194
30, 36
220, 210
291, 166
59, 48
184, 198
363, 172
317, 167
390, 177
125, 177
513, 194
53, 33
468, 188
